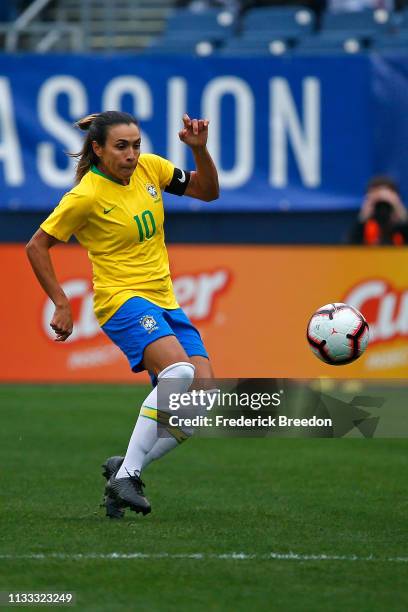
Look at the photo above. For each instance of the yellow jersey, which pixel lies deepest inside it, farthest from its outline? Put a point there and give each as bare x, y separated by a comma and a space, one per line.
121, 226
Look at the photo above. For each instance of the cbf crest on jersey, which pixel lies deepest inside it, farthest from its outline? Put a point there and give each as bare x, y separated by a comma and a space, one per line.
149, 323
152, 190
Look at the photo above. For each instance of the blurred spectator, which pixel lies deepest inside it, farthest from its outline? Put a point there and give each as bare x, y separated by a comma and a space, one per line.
359, 5
383, 218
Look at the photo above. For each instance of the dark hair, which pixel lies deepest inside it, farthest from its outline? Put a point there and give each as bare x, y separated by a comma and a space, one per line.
97, 126
383, 181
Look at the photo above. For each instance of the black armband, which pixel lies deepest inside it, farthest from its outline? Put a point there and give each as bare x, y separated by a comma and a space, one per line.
179, 182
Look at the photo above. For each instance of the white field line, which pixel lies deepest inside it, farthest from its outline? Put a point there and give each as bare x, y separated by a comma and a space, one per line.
235, 556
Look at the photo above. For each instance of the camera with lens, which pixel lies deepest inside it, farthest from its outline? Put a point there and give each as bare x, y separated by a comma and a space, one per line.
383, 213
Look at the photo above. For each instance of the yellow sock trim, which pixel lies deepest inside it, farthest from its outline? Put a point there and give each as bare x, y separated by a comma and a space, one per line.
150, 413
178, 434
163, 418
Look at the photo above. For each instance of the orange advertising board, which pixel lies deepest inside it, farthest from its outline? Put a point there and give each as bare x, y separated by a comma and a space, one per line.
251, 304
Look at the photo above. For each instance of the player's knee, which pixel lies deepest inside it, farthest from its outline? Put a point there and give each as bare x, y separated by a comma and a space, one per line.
182, 371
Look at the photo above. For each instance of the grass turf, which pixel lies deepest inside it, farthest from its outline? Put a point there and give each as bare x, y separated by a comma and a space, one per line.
210, 496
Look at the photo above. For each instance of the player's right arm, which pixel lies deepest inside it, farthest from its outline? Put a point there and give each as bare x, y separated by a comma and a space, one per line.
67, 218
38, 254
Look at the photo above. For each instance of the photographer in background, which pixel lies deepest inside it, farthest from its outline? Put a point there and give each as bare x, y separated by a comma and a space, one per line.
383, 218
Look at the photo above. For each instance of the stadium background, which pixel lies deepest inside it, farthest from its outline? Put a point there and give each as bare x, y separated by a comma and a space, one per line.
305, 106
301, 119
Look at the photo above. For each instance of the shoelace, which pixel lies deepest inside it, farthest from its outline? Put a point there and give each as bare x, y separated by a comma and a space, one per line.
137, 482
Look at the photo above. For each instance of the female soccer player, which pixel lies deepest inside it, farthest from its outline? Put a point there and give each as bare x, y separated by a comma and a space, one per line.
116, 212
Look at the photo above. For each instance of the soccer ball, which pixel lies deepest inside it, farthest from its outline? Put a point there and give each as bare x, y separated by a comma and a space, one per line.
338, 334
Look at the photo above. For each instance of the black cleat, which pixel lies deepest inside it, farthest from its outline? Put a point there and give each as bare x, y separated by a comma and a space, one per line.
110, 468
113, 509
127, 493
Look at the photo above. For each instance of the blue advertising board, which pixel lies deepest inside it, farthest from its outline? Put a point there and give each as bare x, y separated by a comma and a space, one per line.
286, 134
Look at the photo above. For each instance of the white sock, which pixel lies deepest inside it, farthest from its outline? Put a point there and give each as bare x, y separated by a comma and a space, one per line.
161, 447
165, 445
144, 435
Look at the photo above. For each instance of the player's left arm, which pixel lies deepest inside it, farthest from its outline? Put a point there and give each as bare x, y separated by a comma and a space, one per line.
203, 183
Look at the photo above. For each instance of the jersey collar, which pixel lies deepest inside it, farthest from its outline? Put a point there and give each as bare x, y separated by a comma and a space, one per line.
96, 170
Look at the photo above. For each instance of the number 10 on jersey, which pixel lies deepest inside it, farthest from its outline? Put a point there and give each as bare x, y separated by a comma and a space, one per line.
146, 225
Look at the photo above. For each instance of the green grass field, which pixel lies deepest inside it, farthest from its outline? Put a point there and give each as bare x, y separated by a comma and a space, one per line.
211, 497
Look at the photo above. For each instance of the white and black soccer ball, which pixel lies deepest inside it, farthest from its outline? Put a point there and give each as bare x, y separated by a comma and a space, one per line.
338, 333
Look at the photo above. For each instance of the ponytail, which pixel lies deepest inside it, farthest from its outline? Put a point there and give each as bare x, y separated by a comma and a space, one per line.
85, 123
96, 126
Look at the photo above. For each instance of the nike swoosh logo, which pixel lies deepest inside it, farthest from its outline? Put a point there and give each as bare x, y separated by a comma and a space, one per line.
105, 212
183, 177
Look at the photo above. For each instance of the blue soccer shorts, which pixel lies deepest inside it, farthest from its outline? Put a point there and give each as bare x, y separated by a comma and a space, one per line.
139, 322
